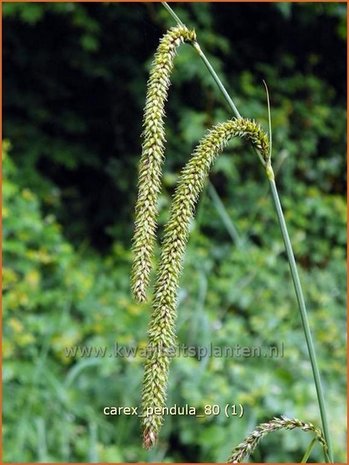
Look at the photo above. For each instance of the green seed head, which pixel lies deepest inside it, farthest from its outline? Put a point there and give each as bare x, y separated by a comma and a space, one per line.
162, 323
150, 169
246, 448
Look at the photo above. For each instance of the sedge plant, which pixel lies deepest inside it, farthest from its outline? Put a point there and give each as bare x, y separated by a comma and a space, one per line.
161, 331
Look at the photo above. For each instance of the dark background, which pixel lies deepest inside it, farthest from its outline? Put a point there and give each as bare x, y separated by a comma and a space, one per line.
74, 88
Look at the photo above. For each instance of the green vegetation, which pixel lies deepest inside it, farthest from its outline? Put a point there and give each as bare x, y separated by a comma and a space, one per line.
72, 108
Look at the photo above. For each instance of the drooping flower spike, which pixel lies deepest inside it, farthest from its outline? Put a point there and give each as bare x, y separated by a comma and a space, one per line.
247, 447
150, 169
161, 332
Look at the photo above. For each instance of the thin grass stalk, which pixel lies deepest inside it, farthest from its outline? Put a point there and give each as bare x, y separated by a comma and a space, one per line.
308, 451
302, 309
289, 250
229, 225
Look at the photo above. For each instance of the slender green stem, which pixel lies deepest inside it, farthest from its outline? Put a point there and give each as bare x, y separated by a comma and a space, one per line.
289, 250
308, 451
216, 79
173, 14
222, 89
310, 448
208, 65
303, 311
233, 233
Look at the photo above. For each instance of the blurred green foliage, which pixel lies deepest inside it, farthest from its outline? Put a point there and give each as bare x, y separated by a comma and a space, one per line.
74, 86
